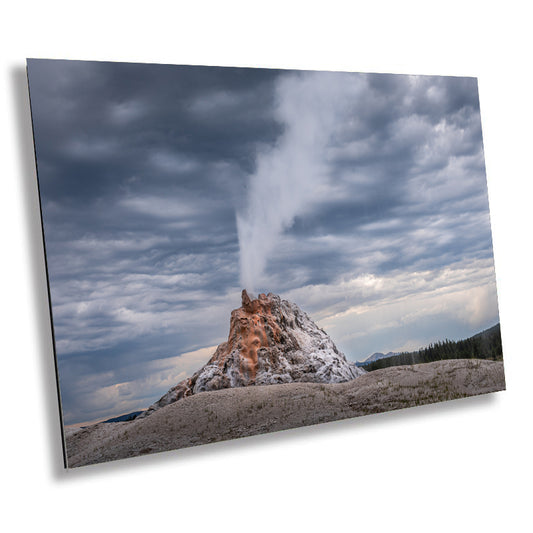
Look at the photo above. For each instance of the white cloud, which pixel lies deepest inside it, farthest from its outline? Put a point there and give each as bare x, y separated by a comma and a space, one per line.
86, 148
105, 401
127, 111
93, 316
159, 207
216, 102
360, 308
173, 162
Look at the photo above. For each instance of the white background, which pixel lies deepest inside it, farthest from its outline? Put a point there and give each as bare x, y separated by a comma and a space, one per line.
461, 466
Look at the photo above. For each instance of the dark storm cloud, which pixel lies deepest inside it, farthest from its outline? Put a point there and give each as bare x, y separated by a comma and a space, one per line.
406, 175
142, 169
115, 141
127, 152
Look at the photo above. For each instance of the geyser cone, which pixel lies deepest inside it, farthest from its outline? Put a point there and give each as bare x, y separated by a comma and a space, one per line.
270, 341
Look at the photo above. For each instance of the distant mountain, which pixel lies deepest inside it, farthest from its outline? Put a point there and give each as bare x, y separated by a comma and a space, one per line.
374, 357
484, 345
122, 418
488, 333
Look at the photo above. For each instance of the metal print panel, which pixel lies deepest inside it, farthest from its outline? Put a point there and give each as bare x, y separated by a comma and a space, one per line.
234, 251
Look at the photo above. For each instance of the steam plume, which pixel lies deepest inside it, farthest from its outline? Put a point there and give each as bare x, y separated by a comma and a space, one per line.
289, 177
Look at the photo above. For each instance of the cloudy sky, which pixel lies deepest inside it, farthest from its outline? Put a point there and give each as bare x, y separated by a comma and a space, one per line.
166, 189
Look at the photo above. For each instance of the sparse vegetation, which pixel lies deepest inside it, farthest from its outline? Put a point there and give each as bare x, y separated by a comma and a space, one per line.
486, 345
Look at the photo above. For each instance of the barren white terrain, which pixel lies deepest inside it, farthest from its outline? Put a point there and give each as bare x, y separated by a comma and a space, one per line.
244, 411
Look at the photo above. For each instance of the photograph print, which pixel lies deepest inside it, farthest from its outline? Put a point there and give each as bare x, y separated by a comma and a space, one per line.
235, 251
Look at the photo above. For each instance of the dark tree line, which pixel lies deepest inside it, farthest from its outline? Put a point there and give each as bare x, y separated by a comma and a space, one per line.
485, 345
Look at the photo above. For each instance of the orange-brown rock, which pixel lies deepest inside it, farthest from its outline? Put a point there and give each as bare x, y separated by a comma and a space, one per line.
270, 341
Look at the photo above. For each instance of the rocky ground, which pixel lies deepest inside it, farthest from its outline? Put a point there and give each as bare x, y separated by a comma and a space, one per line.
239, 412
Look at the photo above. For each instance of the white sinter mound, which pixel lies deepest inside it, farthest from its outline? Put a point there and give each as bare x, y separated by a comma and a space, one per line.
270, 341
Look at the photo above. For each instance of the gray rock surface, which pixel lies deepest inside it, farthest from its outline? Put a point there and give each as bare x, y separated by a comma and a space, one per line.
270, 341
244, 411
